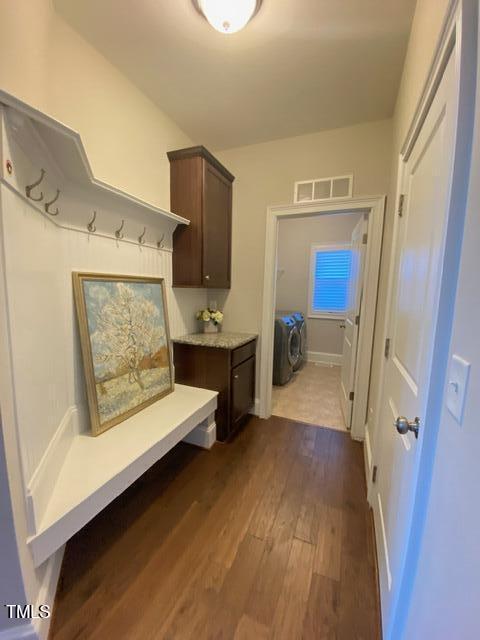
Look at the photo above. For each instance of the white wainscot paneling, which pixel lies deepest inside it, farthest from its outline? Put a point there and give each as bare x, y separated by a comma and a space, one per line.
46, 356
47, 365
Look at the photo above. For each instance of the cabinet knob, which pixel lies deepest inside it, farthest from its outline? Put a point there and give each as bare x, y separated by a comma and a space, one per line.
236, 376
207, 277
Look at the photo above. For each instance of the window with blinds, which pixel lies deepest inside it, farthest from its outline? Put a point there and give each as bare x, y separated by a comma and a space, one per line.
330, 271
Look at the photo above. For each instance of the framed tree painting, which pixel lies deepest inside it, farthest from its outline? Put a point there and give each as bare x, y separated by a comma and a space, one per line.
125, 343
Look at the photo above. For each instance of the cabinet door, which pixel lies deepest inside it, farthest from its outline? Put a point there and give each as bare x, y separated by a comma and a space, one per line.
186, 177
207, 368
243, 390
217, 228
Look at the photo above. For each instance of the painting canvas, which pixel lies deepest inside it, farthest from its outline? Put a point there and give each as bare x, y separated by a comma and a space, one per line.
125, 344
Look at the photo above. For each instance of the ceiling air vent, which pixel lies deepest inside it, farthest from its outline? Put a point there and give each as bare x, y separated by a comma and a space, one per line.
324, 189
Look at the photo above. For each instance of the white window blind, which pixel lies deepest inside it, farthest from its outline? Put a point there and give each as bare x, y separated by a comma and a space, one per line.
330, 273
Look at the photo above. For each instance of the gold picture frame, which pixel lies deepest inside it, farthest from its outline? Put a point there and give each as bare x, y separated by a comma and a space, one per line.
125, 342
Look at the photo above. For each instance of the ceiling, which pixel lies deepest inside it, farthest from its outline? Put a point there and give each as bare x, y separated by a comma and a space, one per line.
299, 66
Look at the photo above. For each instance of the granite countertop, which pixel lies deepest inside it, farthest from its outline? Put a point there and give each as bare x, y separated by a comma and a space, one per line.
219, 340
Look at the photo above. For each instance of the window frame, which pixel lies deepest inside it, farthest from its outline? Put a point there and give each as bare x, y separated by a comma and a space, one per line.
314, 249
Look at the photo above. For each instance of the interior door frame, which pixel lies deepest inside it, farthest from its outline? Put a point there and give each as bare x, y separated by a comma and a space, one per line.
374, 206
458, 38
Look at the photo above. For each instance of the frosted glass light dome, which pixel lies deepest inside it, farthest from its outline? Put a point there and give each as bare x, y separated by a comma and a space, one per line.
228, 16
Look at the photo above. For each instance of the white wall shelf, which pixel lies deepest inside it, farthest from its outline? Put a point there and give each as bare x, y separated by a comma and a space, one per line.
97, 469
32, 141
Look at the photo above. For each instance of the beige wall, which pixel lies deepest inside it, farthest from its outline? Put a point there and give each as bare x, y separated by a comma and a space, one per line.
47, 64
265, 175
295, 238
426, 28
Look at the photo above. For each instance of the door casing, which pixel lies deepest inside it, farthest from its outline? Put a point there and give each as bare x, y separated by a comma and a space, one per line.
351, 330
374, 206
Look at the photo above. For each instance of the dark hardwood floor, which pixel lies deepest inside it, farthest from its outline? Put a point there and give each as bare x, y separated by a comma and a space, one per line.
269, 536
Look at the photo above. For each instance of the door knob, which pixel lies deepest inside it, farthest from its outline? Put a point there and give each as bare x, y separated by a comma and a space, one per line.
404, 426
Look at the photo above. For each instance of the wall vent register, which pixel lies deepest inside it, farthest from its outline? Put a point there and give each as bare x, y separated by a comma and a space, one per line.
320, 189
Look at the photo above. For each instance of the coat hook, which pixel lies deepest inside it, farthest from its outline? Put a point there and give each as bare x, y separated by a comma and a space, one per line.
118, 232
47, 205
28, 188
160, 242
91, 225
141, 238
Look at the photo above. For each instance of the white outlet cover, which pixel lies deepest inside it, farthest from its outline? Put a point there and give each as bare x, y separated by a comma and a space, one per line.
457, 387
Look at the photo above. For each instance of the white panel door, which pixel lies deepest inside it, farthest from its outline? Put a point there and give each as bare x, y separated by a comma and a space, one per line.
350, 336
418, 264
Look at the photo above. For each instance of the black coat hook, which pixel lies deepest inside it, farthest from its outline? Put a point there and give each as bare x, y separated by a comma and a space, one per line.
141, 238
47, 205
160, 242
91, 225
118, 232
30, 187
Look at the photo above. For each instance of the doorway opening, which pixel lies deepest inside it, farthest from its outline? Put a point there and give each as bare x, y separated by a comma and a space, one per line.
320, 291
319, 287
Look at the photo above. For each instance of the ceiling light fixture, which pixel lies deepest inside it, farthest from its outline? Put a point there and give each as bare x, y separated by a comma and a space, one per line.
228, 16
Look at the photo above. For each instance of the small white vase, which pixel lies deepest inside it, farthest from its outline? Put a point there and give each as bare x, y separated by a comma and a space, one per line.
210, 327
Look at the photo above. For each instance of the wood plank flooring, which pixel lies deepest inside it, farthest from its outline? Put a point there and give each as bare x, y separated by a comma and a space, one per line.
269, 536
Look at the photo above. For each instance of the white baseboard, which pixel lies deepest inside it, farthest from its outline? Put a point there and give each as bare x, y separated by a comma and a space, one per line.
368, 452
367, 460
256, 407
20, 632
38, 629
204, 435
324, 358
43, 481
47, 592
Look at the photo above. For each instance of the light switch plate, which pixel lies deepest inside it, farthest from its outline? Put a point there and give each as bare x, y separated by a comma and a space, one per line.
457, 386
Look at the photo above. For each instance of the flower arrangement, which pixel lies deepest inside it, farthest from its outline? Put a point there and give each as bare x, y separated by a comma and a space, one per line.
210, 314
212, 319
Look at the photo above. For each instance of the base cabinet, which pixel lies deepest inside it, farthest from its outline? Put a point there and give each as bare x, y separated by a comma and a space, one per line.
231, 372
243, 390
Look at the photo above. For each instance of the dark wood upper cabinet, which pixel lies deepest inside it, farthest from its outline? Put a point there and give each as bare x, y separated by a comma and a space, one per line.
201, 190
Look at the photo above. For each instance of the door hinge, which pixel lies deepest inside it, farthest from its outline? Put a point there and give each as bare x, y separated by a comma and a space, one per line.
374, 473
401, 201
365, 238
357, 320
387, 347
351, 396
